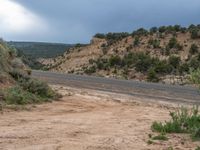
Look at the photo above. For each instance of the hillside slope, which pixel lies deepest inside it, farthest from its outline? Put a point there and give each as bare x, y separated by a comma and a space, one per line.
153, 55
8, 62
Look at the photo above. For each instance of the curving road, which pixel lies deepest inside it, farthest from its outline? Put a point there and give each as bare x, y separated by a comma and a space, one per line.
174, 93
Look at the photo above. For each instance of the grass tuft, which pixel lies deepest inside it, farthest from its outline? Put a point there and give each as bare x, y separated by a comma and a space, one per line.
182, 121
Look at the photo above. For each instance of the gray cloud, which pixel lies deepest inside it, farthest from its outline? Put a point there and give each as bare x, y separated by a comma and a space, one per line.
72, 21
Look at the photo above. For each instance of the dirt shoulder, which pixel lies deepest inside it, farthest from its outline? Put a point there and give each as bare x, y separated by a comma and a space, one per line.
88, 120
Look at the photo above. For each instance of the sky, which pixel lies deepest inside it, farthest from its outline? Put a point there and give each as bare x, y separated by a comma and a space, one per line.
76, 21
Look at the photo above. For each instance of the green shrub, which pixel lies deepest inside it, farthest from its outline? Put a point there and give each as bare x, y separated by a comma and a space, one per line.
152, 76
160, 137
194, 63
136, 41
18, 96
172, 43
198, 148
153, 30
100, 35
195, 77
143, 62
182, 121
28, 90
155, 43
140, 32
37, 87
184, 68
90, 70
193, 49
162, 29
174, 61
115, 61
195, 33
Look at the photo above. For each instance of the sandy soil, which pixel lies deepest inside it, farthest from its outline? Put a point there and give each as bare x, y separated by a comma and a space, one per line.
88, 120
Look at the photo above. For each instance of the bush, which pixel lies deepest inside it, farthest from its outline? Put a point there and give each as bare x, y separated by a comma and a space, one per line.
115, 61
193, 49
140, 32
160, 137
162, 29
28, 90
153, 30
155, 43
172, 43
136, 41
143, 62
100, 35
174, 61
182, 121
195, 33
198, 148
37, 87
152, 76
194, 63
18, 96
195, 76
90, 70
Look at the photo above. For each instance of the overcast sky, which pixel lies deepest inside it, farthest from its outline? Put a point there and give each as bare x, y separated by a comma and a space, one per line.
73, 21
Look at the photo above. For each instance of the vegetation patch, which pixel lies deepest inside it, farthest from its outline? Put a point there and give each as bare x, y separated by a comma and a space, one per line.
182, 121
28, 90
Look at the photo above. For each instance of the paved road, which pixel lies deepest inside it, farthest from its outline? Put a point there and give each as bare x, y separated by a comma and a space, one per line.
179, 94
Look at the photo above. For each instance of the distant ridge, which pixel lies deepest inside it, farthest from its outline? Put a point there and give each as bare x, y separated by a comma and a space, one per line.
41, 49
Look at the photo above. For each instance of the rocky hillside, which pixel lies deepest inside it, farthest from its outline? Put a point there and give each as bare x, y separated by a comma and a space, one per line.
158, 54
8, 63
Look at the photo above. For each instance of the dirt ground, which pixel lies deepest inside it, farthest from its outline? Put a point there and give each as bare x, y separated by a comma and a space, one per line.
88, 120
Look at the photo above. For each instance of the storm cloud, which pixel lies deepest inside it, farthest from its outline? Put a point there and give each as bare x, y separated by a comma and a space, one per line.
73, 21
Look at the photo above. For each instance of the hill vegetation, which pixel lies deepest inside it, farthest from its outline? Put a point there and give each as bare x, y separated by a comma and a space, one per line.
16, 86
154, 55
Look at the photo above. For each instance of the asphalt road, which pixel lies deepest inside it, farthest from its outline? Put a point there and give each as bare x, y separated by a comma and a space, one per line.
174, 93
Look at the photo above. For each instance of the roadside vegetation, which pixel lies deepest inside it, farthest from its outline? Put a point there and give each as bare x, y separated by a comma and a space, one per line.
183, 120
18, 88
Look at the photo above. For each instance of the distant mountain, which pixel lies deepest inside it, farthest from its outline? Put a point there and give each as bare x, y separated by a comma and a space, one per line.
41, 50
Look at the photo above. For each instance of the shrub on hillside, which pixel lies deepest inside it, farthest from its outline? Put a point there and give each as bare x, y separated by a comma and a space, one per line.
136, 41
153, 30
155, 43
195, 33
172, 43
174, 61
90, 70
140, 32
100, 35
195, 77
152, 76
115, 61
194, 63
193, 49
143, 62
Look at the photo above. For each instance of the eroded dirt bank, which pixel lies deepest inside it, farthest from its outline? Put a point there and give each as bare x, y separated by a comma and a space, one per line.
87, 120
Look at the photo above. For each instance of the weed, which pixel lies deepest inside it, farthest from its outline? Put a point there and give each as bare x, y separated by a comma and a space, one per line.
160, 137
182, 121
198, 148
150, 142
